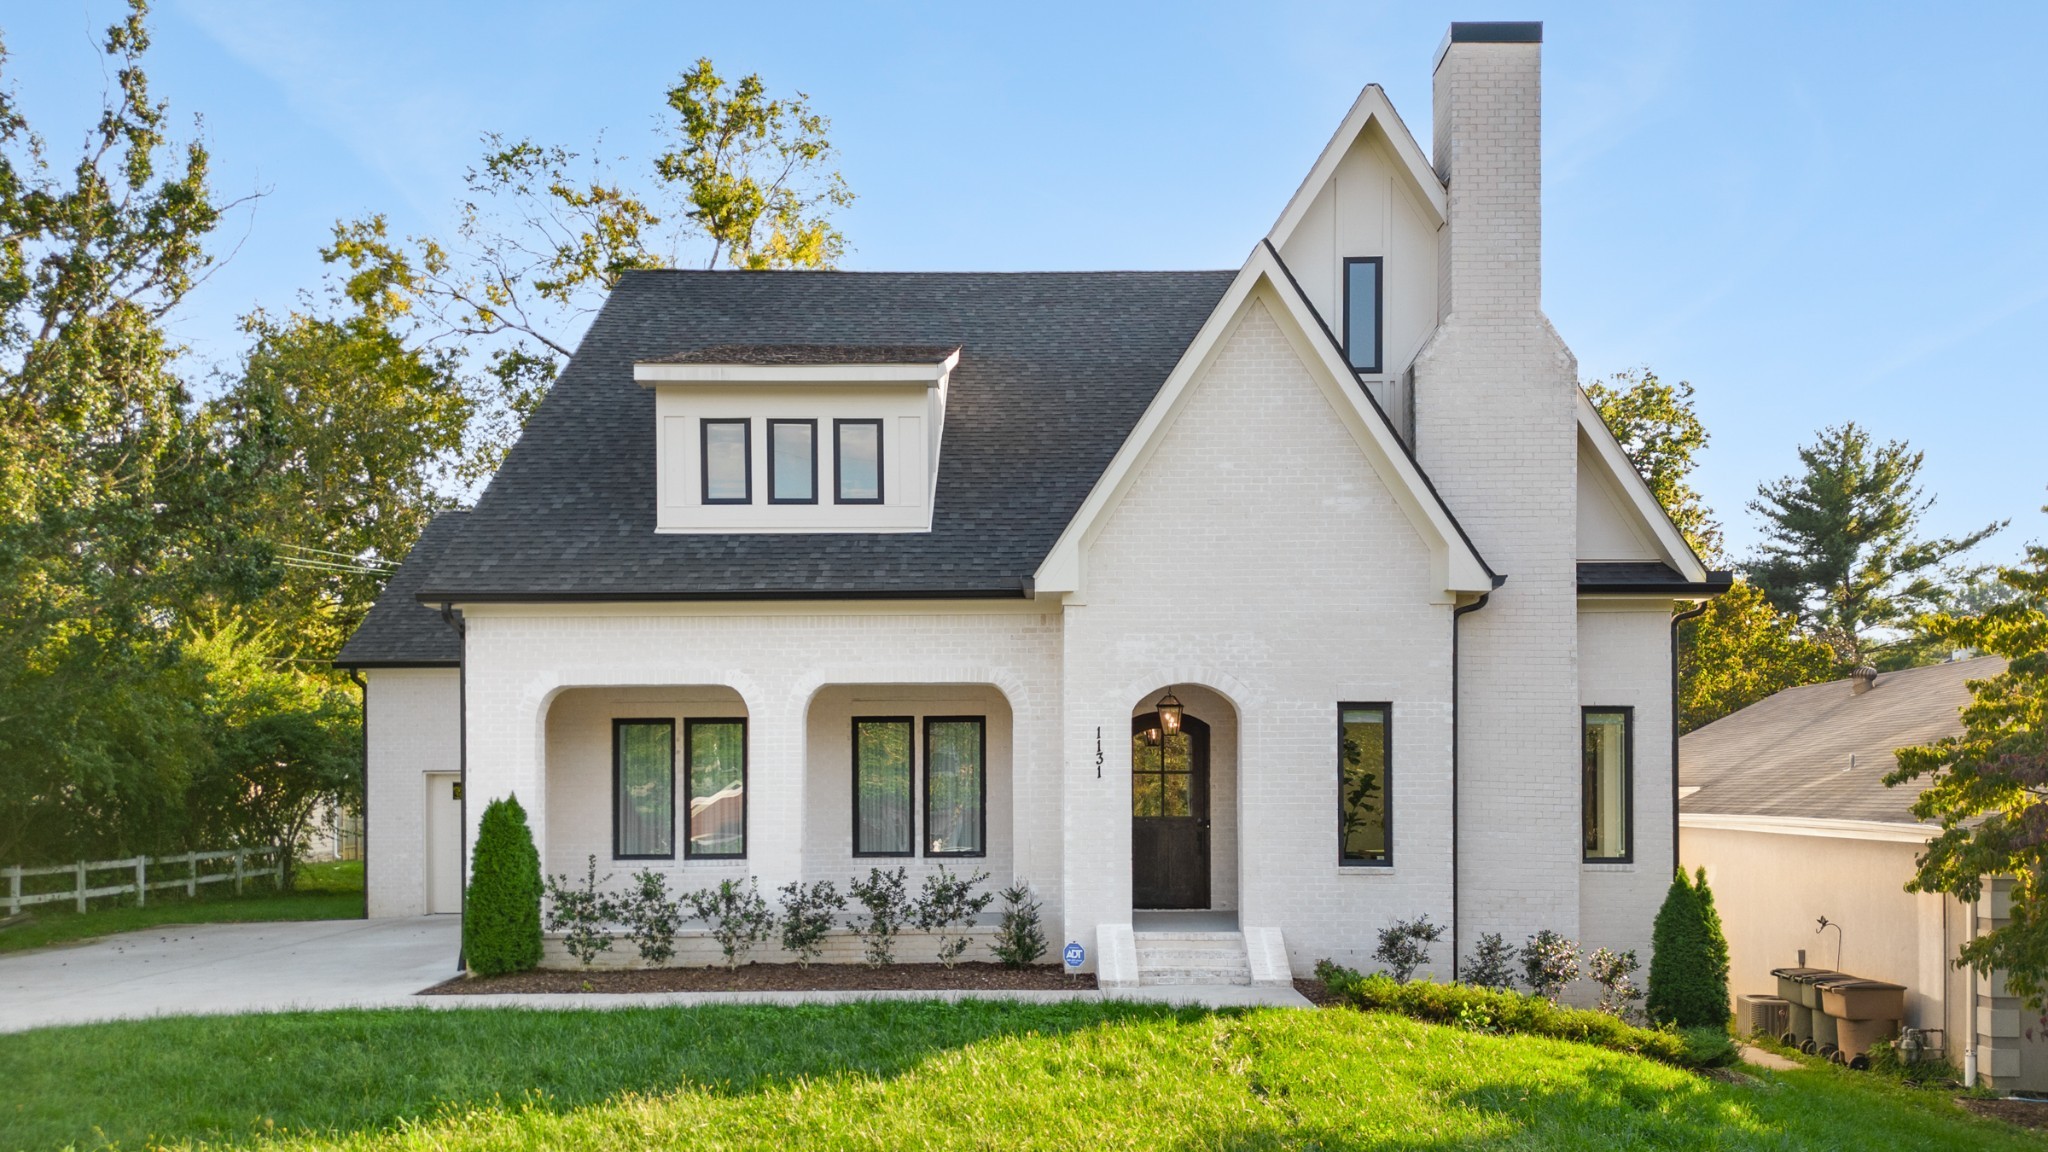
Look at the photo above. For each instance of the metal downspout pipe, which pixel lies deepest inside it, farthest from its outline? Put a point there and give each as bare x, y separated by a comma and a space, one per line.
1457, 920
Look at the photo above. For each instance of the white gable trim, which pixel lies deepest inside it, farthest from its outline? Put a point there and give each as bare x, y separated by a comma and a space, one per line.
1371, 106
1650, 514
1455, 565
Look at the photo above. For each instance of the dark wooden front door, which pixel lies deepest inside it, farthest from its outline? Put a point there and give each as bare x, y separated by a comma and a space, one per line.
1169, 814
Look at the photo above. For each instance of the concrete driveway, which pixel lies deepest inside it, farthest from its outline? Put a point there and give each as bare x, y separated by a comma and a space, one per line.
221, 968
205, 968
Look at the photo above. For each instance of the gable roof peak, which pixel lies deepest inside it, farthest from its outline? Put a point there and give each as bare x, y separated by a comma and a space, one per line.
1371, 109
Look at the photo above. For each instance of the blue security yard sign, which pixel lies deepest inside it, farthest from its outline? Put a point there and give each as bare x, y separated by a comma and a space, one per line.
1075, 954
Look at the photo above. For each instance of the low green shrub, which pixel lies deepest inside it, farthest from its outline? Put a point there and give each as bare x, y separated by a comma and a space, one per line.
501, 916
807, 915
947, 904
1710, 1047
582, 914
1509, 1013
736, 914
1020, 940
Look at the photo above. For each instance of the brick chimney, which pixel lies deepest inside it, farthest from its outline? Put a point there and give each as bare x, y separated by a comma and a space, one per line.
1489, 148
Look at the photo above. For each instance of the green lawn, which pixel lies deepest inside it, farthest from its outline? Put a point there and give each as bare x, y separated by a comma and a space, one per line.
887, 1075
329, 891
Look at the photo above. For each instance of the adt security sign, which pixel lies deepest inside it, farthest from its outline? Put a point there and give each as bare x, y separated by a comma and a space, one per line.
1075, 954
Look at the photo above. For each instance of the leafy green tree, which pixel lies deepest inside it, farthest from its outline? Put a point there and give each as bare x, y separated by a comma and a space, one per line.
1739, 651
1662, 435
501, 916
1988, 788
1689, 958
1842, 549
743, 179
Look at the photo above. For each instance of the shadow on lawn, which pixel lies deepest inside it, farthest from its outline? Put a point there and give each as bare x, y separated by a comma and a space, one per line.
236, 1077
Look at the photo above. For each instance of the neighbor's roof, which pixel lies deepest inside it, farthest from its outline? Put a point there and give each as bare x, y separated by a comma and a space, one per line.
1054, 370
1788, 755
399, 631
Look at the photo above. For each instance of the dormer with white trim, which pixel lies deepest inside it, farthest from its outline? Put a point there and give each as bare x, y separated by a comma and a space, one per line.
779, 438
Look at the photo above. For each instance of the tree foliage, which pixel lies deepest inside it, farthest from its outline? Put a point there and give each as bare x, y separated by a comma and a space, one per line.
1739, 651
1689, 958
1988, 787
1842, 549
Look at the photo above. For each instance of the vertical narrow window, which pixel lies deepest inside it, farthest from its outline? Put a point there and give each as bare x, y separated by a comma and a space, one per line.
792, 461
718, 788
1607, 786
728, 452
883, 821
955, 786
1362, 312
857, 461
643, 789
1364, 818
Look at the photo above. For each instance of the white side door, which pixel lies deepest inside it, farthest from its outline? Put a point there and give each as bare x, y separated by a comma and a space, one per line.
444, 842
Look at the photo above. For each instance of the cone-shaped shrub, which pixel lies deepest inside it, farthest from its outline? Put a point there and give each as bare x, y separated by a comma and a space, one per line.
1689, 964
501, 919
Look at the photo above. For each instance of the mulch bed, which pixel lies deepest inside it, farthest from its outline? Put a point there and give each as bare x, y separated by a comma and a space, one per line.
976, 976
2025, 1113
1316, 992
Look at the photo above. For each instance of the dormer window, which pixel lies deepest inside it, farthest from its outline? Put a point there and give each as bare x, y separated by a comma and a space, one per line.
792, 461
857, 449
728, 456
798, 437
1362, 312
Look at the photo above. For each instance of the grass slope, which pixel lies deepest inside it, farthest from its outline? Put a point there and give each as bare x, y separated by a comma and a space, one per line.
886, 1075
329, 891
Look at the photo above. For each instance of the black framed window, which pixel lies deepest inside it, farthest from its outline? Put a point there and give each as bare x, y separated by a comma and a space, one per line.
884, 775
643, 789
1609, 784
717, 751
728, 452
857, 461
792, 461
955, 786
1365, 824
1362, 312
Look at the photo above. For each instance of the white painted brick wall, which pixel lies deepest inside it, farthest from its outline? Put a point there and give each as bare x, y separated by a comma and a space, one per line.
1625, 661
1258, 554
414, 729
1495, 428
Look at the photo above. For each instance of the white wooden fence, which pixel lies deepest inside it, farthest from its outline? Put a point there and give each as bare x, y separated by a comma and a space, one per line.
184, 868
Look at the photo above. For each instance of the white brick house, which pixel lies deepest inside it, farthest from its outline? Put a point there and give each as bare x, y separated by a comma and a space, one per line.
796, 574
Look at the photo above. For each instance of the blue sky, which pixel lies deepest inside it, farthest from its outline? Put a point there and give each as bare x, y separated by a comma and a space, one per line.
1815, 213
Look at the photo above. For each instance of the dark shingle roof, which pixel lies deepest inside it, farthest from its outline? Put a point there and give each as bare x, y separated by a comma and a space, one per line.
1054, 371
1789, 754
1648, 577
798, 354
399, 631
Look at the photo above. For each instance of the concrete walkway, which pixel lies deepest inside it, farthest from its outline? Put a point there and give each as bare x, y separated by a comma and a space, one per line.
224, 968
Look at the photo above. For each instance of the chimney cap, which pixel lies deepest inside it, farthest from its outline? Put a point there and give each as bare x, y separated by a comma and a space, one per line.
1488, 32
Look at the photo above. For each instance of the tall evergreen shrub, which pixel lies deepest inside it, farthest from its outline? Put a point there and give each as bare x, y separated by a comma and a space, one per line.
501, 919
1689, 961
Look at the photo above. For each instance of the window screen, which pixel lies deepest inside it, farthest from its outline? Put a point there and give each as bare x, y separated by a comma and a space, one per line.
1607, 785
718, 787
882, 780
728, 462
792, 461
1362, 312
643, 788
857, 456
1363, 820
955, 795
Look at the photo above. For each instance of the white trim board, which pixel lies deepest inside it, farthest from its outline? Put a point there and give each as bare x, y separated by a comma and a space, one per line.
1651, 514
1811, 826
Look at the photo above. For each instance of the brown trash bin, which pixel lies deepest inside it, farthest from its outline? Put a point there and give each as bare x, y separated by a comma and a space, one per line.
1826, 1032
1852, 999
1795, 984
1856, 1036
1802, 1023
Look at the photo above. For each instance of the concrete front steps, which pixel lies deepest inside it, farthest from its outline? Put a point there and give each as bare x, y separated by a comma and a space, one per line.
1168, 957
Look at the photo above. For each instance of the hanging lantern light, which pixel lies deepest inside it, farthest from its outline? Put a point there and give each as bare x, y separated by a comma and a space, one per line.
1169, 713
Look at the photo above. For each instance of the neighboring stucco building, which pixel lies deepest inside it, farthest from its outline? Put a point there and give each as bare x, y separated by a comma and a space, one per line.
796, 574
1784, 804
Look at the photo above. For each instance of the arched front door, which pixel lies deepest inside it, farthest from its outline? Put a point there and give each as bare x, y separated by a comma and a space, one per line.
1169, 814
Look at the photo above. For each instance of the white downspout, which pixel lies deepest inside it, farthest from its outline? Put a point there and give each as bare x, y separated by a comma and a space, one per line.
1970, 974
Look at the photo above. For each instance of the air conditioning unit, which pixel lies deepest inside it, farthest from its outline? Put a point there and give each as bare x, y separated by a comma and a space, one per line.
1763, 1015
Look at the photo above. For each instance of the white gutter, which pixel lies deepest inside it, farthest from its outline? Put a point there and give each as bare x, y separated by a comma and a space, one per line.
1811, 826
